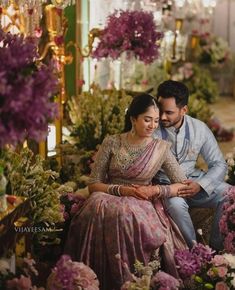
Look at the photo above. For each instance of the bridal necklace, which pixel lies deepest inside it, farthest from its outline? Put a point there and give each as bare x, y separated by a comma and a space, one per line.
132, 147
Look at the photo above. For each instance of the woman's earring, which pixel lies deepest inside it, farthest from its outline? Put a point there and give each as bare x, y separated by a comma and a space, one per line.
133, 132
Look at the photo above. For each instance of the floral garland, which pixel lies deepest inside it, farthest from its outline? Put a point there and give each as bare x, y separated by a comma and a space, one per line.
133, 32
27, 88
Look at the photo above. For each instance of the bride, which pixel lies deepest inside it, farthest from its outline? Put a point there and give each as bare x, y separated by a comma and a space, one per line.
124, 215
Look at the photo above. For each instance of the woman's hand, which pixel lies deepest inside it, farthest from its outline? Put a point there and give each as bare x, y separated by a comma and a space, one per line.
136, 191
175, 188
147, 191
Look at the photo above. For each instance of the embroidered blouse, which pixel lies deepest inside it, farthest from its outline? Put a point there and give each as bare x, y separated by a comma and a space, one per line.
118, 162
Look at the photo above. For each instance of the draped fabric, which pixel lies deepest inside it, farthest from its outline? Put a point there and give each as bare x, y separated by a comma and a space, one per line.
109, 231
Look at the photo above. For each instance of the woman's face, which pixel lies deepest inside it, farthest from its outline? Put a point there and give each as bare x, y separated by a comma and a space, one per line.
147, 122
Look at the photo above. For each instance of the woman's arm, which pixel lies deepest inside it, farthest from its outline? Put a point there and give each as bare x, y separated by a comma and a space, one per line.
118, 190
172, 168
174, 172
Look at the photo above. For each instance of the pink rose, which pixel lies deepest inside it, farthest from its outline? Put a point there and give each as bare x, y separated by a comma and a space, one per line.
219, 260
221, 286
222, 271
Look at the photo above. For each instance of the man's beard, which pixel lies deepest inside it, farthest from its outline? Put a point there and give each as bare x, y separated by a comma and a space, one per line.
168, 124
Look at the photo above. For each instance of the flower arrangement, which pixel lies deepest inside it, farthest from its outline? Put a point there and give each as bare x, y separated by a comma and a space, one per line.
133, 32
214, 50
201, 269
222, 134
230, 159
22, 279
71, 203
27, 177
227, 221
27, 90
105, 118
198, 80
149, 277
71, 275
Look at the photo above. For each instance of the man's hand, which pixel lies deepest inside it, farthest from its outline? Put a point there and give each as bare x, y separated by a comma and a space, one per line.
190, 190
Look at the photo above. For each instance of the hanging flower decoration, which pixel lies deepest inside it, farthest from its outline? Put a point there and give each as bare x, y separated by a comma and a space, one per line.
133, 32
26, 91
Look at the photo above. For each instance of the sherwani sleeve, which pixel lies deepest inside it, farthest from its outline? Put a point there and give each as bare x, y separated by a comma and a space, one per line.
172, 168
217, 166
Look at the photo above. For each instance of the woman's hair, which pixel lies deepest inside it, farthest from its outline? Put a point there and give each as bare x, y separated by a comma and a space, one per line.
174, 89
139, 105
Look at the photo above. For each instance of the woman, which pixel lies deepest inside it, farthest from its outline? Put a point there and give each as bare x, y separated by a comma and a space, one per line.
124, 214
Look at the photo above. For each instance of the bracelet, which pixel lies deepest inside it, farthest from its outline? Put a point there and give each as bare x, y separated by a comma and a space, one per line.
114, 189
158, 194
164, 190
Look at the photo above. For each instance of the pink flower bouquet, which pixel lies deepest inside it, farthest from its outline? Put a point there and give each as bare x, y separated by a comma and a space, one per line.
201, 269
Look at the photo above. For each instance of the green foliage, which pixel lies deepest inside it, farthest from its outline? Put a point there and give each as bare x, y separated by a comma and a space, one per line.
198, 108
96, 114
202, 84
27, 177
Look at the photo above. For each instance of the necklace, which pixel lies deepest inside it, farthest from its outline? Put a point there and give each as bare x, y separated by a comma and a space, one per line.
134, 148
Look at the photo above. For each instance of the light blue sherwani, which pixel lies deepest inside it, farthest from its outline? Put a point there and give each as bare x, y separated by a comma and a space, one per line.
194, 138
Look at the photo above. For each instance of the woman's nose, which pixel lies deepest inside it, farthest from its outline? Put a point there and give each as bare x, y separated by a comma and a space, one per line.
152, 124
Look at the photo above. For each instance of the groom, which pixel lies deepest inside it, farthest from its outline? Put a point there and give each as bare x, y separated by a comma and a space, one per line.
190, 138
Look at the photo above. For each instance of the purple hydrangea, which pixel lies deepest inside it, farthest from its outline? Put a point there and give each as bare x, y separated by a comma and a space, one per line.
71, 275
187, 262
203, 252
164, 281
26, 91
133, 32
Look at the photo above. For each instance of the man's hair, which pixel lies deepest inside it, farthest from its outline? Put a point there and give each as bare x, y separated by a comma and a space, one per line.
174, 89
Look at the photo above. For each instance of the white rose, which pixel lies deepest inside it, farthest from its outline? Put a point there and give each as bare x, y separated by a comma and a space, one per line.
231, 260
231, 162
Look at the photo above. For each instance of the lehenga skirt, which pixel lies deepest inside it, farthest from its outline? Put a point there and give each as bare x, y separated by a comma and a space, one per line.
110, 233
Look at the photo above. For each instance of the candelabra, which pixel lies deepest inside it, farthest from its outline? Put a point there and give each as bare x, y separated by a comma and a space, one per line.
57, 25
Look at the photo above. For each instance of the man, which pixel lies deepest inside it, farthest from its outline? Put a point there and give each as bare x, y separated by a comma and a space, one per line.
190, 138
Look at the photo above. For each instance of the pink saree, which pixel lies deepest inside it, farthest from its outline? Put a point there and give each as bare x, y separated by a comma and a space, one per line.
108, 226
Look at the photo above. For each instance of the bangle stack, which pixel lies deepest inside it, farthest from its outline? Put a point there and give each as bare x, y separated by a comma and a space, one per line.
164, 190
114, 189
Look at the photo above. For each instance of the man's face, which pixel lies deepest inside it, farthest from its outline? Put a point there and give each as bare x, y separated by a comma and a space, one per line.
170, 114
